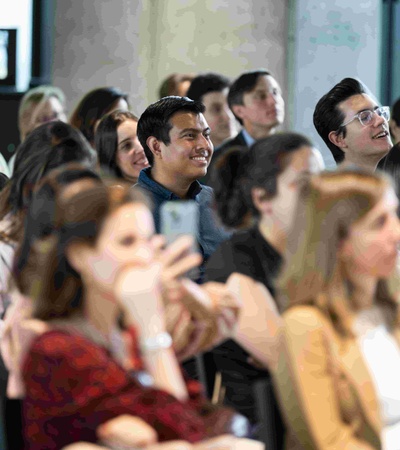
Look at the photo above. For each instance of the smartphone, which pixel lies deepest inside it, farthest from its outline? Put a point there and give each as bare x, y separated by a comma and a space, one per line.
181, 217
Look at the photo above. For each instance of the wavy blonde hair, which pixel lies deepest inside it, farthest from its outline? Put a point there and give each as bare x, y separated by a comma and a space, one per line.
329, 203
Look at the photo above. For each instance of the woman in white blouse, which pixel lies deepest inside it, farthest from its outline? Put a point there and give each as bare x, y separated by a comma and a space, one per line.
339, 371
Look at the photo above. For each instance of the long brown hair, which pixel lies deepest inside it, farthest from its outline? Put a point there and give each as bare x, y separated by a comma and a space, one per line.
329, 204
56, 288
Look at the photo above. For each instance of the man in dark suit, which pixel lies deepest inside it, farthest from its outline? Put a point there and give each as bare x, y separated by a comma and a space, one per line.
255, 99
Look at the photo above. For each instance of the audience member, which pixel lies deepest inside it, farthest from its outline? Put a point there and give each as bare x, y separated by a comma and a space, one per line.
212, 90
256, 190
44, 149
176, 139
353, 126
93, 106
394, 122
38, 106
103, 260
390, 164
117, 145
255, 99
340, 359
175, 84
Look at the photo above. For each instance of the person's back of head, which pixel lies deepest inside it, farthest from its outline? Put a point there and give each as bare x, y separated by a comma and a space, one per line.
93, 106
240, 170
155, 120
175, 84
46, 148
39, 105
40, 221
328, 117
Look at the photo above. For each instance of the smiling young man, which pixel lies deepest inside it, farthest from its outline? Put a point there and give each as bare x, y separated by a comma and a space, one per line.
255, 99
176, 139
353, 125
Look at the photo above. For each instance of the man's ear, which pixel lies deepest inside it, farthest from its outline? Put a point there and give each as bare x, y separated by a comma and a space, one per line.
155, 146
261, 201
337, 139
238, 110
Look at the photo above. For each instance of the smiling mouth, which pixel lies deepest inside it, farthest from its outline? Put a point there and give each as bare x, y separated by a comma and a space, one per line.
381, 135
201, 158
140, 162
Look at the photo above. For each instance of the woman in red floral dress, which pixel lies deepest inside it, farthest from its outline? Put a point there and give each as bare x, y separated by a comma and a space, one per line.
102, 260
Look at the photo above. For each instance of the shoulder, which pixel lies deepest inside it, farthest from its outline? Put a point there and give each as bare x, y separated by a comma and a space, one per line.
232, 255
60, 344
237, 140
304, 318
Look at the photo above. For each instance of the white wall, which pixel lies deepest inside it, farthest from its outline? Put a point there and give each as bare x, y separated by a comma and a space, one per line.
331, 40
135, 44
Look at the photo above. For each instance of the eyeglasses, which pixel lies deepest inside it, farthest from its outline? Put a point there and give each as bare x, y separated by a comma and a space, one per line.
367, 117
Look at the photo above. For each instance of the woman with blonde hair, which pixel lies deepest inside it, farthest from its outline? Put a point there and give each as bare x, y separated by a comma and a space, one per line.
340, 362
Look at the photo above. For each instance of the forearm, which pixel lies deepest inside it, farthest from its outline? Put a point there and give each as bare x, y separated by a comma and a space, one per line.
164, 368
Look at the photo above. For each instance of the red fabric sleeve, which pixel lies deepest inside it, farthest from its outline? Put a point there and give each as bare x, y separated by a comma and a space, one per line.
72, 386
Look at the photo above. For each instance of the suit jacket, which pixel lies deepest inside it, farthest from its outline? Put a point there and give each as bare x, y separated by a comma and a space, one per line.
237, 141
324, 385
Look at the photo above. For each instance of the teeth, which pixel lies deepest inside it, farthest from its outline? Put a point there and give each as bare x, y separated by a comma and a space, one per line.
383, 134
199, 158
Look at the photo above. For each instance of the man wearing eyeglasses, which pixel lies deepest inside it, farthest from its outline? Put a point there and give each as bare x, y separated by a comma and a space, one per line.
353, 125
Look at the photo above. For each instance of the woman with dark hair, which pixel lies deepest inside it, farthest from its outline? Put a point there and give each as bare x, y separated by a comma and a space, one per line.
118, 148
45, 148
256, 191
339, 369
93, 106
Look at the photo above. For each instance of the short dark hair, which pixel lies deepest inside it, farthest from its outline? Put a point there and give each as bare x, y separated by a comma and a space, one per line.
395, 113
245, 83
92, 107
328, 117
155, 119
106, 140
205, 83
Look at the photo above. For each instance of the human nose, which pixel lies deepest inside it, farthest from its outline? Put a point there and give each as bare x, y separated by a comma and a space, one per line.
205, 142
379, 119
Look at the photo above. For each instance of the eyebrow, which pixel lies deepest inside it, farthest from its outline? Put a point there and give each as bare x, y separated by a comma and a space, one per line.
194, 130
368, 109
124, 140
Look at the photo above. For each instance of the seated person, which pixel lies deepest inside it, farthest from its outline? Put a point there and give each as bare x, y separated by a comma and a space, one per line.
118, 148
340, 357
176, 139
80, 373
256, 190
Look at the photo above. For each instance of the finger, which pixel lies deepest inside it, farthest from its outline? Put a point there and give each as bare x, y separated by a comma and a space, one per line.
183, 245
181, 267
194, 345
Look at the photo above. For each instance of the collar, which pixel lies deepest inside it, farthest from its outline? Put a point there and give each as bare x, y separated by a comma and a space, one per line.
249, 139
147, 181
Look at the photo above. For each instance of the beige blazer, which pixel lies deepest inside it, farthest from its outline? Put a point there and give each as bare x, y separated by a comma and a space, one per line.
325, 389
